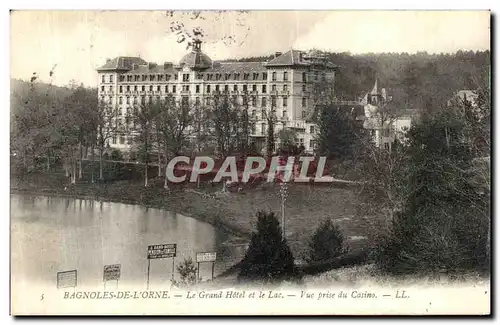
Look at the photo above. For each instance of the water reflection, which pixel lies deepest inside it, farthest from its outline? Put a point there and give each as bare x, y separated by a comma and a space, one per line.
51, 234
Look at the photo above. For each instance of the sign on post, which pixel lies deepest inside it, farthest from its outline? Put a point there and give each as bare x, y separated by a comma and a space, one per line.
66, 279
206, 257
112, 272
161, 251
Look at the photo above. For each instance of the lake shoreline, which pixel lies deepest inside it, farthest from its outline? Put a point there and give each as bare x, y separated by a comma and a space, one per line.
210, 219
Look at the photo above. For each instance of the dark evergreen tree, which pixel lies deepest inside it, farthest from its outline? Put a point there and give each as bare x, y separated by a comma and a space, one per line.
339, 132
326, 243
268, 258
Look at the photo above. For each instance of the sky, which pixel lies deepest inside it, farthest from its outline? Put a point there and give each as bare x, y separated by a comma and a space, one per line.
74, 43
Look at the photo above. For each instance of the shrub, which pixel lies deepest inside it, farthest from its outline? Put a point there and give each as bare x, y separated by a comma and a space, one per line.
326, 243
268, 258
116, 155
187, 270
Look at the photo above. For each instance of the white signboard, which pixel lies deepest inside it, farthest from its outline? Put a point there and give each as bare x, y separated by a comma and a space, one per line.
206, 257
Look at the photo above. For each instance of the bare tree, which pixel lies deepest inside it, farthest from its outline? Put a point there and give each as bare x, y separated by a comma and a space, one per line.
107, 123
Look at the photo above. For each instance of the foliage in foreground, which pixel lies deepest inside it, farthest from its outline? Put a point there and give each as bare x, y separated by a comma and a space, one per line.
444, 224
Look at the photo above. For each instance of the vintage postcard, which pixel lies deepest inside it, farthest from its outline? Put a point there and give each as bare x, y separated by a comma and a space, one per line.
250, 162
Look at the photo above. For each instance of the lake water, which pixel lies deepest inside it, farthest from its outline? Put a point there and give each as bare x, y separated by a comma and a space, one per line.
53, 234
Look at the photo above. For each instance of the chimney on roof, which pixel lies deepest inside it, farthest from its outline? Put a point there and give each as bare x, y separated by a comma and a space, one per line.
167, 65
276, 54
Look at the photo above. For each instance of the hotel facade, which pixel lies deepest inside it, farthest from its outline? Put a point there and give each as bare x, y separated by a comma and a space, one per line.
283, 86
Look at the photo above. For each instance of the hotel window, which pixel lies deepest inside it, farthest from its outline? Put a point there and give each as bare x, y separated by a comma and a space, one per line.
245, 76
217, 76
135, 88
263, 113
199, 76
255, 76
122, 78
254, 87
208, 89
158, 99
120, 100
253, 113
185, 77
114, 139
122, 139
143, 88
274, 76
176, 76
129, 78
303, 88
273, 101
311, 129
128, 100
174, 89
263, 128
304, 77
103, 80
254, 101
151, 77
137, 77
245, 100
197, 89
217, 88
303, 114
285, 87
209, 76
236, 76
315, 75
197, 101
158, 88
304, 102
244, 87
160, 77
284, 113
273, 88
111, 88
102, 88
135, 100
144, 77
264, 89
128, 88
143, 100
166, 88
167, 77
285, 101
227, 76
311, 144
151, 88
110, 78
226, 88
264, 76
264, 102
285, 76
301, 141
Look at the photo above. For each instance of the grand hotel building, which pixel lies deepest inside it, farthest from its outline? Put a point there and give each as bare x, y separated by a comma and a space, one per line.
283, 85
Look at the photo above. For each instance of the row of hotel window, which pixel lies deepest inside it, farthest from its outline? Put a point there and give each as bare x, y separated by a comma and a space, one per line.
123, 139
253, 100
209, 76
197, 88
